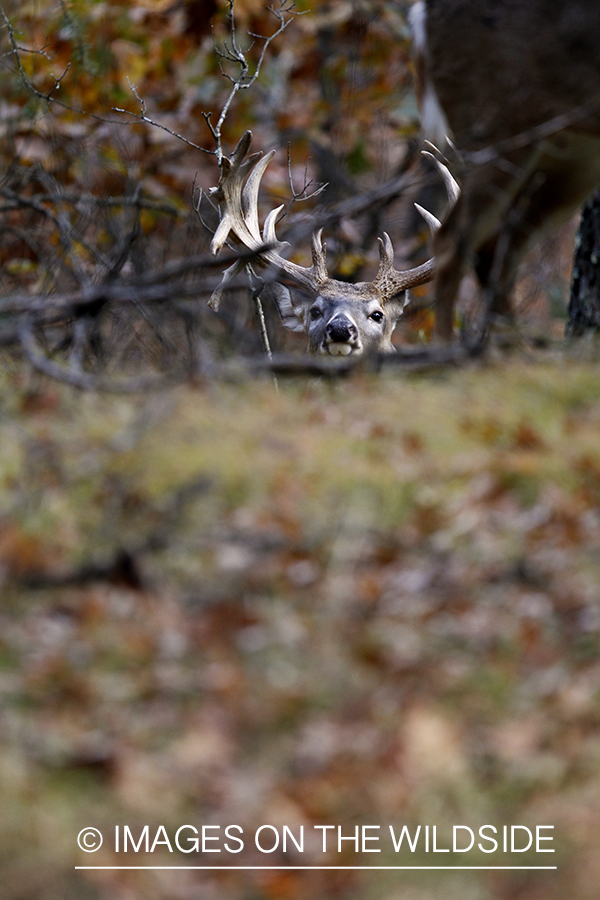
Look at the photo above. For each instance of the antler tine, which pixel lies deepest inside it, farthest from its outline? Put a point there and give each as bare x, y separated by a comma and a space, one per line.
450, 183
433, 222
319, 257
269, 236
389, 281
386, 255
250, 193
214, 301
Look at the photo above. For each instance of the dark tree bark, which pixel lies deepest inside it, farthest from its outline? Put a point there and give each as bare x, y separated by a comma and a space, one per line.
584, 303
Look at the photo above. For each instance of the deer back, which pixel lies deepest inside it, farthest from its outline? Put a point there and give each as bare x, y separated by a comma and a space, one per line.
502, 67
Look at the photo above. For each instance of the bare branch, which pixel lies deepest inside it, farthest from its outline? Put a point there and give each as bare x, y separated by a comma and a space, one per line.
153, 286
284, 12
301, 195
142, 117
75, 376
16, 201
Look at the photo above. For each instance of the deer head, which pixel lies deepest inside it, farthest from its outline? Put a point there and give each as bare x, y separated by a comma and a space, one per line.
516, 84
340, 319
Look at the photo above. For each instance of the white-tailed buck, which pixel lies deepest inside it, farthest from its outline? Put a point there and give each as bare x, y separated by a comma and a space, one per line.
516, 85
340, 319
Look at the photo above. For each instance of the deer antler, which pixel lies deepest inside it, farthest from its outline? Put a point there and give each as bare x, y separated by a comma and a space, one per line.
237, 196
389, 281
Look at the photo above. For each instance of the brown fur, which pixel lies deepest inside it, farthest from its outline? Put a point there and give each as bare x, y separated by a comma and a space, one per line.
520, 79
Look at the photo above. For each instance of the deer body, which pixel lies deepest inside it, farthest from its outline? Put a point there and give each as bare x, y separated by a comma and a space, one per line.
516, 84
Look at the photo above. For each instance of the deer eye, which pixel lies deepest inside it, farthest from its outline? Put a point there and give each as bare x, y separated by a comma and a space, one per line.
315, 313
377, 316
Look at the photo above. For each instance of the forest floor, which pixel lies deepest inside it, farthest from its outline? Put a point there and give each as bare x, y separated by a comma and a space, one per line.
367, 602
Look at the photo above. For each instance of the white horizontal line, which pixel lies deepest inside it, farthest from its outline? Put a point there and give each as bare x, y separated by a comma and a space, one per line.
285, 868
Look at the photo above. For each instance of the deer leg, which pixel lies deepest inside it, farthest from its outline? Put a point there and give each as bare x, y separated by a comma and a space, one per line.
489, 228
496, 262
498, 280
468, 237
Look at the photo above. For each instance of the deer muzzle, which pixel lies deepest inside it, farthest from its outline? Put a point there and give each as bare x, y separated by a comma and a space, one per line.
341, 336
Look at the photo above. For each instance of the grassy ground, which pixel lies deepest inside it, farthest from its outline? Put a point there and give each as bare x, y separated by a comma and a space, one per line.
368, 603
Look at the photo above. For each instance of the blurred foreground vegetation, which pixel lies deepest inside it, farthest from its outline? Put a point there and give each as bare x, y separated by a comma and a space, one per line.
367, 602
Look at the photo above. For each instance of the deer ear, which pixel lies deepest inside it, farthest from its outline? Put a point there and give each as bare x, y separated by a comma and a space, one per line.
292, 316
396, 306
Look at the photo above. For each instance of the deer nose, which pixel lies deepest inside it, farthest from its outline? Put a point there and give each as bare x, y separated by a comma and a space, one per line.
341, 330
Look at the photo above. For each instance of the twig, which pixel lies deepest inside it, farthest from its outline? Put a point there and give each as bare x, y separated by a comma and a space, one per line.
75, 377
142, 117
301, 195
153, 285
258, 286
236, 55
404, 360
496, 152
81, 199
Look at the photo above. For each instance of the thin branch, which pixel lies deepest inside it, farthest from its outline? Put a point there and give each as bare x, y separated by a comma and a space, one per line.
495, 152
236, 55
301, 195
142, 117
82, 199
73, 374
153, 286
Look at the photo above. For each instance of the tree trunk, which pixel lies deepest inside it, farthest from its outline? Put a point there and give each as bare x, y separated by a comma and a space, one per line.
584, 303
